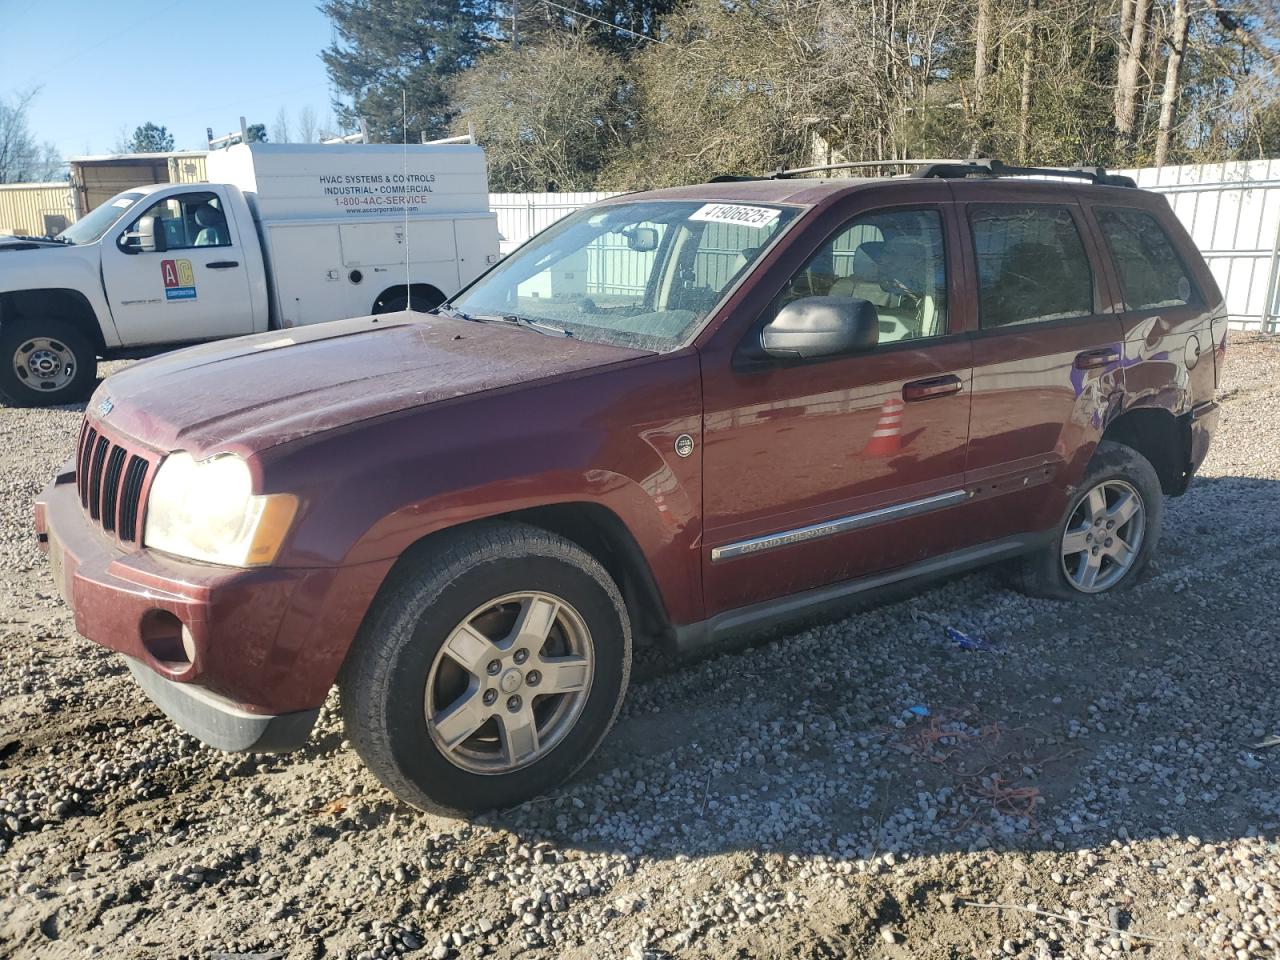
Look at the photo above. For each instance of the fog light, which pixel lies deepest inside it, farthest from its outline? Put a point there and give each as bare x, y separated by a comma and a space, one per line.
167, 639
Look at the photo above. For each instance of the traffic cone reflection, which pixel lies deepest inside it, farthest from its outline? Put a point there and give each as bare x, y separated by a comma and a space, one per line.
886, 438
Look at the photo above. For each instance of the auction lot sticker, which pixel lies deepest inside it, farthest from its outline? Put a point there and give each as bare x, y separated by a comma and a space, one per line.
742, 215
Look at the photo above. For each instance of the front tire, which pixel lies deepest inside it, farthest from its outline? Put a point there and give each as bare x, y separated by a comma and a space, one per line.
45, 362
489, 671
1111, 528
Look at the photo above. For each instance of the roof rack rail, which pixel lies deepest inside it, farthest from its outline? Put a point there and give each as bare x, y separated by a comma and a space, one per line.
964, 169
783, 174
949, 170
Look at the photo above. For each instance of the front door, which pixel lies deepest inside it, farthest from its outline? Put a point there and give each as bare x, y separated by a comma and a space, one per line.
822, 471
1046, 359
196, 289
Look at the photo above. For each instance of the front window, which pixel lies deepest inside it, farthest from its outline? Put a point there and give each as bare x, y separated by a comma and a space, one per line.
91, 227
190, 220
642, 274
895, 260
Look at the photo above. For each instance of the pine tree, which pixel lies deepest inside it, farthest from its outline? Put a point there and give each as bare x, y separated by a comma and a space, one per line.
150, 138
384, 47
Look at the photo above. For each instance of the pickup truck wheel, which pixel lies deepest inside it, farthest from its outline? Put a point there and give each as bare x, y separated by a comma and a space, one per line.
45, 362
1108, 534
490, 672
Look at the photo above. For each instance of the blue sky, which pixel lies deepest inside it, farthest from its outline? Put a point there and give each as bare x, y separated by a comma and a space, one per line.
108, 65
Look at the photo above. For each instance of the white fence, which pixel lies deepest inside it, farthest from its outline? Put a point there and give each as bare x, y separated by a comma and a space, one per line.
521, 215
1231, 210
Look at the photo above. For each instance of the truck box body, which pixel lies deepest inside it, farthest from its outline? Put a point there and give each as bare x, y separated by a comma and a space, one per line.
281, 235
332, 220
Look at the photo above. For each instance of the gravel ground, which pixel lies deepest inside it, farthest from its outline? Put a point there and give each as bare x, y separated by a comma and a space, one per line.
1095, 783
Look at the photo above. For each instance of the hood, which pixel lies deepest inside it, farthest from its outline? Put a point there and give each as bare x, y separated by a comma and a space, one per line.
254, 392
10, 244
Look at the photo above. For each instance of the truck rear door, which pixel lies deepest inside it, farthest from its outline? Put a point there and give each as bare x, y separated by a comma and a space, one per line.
197, 288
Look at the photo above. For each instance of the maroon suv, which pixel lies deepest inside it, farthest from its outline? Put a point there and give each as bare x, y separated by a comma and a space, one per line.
674, 416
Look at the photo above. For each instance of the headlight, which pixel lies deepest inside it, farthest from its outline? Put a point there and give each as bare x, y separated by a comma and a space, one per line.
206, 510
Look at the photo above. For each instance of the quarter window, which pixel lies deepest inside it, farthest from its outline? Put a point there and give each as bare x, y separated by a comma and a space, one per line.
896, 261
1152, 275
1032, 265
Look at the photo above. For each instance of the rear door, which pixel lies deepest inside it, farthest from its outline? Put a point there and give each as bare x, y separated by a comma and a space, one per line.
822, 471
197, 289
1047, 354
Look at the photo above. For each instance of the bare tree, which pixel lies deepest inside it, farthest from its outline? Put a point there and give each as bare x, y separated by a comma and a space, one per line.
981, 57
306, 125
1128, 76
280, 132
551, 114
1028, 75
22, 159
1172, 76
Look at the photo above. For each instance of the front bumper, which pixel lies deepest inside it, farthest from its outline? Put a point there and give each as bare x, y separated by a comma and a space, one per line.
266, 643
218, 721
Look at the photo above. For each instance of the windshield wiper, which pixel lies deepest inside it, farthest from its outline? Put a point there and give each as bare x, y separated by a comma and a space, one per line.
18, 236
539, 325
449, 311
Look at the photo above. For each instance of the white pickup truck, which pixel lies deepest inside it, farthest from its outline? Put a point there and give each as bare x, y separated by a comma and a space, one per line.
283, 235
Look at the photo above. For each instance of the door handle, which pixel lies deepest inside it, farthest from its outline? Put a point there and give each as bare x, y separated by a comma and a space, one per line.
933, 387
1092, 359
223, 264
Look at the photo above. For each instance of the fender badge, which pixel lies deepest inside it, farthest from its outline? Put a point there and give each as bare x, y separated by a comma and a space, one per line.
105, 406
684, 445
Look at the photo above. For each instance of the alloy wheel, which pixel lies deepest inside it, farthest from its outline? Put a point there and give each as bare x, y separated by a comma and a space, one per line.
509, 682
1103, 536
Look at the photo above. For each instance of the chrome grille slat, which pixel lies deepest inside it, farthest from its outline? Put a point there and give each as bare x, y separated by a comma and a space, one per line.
111, 479
99, 456
131, 498
82, 468
111, 487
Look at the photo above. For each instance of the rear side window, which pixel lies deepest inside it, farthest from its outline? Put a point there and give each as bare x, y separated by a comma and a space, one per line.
1152, 275
1032, 266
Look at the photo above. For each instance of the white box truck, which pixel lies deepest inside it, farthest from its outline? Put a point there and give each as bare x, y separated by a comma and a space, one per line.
284, 234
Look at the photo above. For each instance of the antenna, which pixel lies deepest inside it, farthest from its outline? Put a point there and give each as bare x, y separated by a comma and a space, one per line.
404, 147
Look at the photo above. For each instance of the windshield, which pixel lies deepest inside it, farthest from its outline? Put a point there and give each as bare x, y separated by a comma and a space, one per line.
98, 221
640, 274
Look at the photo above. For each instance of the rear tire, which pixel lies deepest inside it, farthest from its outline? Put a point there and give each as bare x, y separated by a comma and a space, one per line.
45, 362
1106, 538
422, 701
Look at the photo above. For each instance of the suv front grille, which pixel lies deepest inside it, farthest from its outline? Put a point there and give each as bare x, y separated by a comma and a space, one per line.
112, 478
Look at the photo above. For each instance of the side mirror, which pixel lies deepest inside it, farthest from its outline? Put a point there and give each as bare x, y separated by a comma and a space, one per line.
149, 237
814, 327
642, 239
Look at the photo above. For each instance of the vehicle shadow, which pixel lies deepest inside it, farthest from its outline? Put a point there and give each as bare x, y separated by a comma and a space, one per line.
1123, 717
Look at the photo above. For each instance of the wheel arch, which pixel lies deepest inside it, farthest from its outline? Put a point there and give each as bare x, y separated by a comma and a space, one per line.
1160, 437
61, 303
596, 529
428, 292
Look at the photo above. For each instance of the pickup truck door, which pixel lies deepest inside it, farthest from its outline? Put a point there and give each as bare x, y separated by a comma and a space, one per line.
828, 470
196, 289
